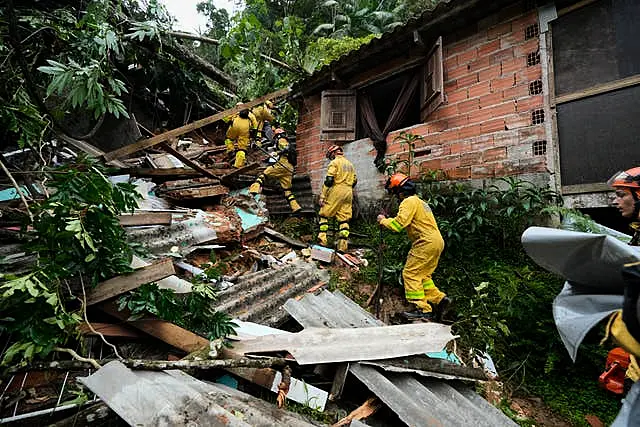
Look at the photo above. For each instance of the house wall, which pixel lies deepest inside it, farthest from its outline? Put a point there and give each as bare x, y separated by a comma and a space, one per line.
483, 130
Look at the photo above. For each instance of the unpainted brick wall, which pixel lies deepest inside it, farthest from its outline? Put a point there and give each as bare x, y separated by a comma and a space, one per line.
483, 130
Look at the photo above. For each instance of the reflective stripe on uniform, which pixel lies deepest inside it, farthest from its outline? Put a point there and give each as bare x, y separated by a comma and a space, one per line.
413, 294
396, 226
428, 284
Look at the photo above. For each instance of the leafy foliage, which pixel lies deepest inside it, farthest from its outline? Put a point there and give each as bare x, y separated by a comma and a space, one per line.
192, 311
76, 234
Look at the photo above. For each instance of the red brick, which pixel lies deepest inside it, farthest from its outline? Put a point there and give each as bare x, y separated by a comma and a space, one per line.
501, 55
533, 164
480, 89
456, 73
512, 39
459, 173
516, 121
480, 63
449, 135
450, 162
492, 112
505, 139
496, 153
446, 111
486, 170
530, 74
530, 46
450, 86
469, 159
498, 30
457, 48
482, 143
490, 99
521, 23
488, 48
459, 147
532, 133
467, 106
493, 125
490, 73
457, 96
467, 56
529, 103
431, 165
458, 121
502, 83
512, 65
468, 80
441, 150
516, 92
506, 168
469, 132
437, 126
450, 63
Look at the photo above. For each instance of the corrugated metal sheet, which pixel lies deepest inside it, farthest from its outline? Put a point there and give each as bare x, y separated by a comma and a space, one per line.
416, 402
173, 398
328, 345
276, 203
258, 297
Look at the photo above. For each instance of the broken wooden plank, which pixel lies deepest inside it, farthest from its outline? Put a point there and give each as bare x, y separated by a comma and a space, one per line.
365, 410
165, 331
150, 142
427, 366
121, 284
339, 379
239, 171
198, 192
187, 161
89, 149
169, 173
108, 330
151, 218
293, 242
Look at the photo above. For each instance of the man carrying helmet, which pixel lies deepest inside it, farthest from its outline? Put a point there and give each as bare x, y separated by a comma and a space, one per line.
239, 136
282, 170
337, 196
263, 114
416, 217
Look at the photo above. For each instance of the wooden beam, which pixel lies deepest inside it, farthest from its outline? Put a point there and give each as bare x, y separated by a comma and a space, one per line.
89, 149
160, 172
187, 161
575, 6
109, 330
165, 331
121, 284
599, 89
596, 187
236, 172
151, 218
150, 142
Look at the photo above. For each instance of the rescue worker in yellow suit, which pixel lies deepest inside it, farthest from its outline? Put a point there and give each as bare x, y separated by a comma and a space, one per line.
282, 170
263, 113
416, 217
239, 136
627, 200
336, 197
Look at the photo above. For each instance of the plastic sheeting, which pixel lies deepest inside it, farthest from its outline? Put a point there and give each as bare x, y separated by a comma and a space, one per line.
591, 263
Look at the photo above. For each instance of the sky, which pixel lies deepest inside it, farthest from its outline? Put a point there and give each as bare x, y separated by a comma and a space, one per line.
188, 17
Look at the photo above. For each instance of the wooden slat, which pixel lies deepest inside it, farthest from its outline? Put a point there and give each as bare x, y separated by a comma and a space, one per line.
109, 330
121, 284
596, 187
293, 242
599, 89
165, 331
169, 173
239, 171
187, 161
151, 218
88, 148
150, 142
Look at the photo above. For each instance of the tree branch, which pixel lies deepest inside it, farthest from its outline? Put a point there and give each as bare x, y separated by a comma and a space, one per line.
79, 358
18, 189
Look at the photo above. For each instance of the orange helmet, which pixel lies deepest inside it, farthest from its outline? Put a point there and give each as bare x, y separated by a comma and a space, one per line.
395, 181
628, 179
278, 131
333, 150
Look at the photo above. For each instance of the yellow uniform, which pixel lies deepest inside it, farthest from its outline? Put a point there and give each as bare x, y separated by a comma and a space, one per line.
239, 137
416, 217
336, 200
262, 114
281, 171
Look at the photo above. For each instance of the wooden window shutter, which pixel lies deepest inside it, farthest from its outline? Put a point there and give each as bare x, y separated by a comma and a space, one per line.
432, 88
338, 115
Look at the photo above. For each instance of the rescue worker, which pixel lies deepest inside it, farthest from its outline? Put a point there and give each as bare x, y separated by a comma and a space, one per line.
239, 136
416, 217
627, 190
282, 170
263, 114
336, 197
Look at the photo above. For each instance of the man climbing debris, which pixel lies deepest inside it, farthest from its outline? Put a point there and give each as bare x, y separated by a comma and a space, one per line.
264, 115
239, 136
416, 217
282, 170
336, 197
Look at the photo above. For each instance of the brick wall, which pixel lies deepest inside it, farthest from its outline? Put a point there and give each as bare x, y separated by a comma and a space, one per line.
490, 124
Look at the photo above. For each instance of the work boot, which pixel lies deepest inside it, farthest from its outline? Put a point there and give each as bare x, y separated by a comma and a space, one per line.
322, 239
442, 308
295, 206
417, 315
342, 245
255, 188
